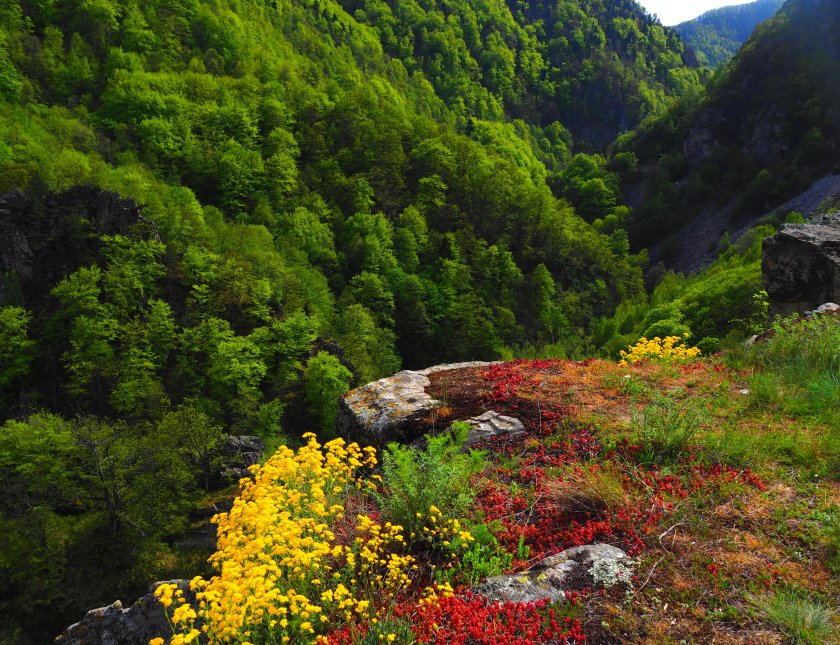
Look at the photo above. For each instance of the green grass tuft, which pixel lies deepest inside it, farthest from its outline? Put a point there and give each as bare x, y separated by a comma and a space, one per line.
802, 619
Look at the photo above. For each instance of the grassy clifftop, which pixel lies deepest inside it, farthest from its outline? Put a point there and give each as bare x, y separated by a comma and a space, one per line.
717, 475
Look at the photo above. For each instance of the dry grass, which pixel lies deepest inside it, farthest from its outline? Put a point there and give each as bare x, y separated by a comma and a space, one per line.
591, 489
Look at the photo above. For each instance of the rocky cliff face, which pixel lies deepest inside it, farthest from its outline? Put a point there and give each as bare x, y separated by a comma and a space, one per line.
801, 267
44, 239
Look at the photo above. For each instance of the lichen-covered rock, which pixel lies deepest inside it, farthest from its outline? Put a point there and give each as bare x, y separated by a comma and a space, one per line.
489, 425
801, 268
593, 565
392, 408
113, 625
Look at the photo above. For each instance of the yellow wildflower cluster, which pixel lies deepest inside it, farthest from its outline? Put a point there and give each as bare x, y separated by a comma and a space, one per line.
666, 349
443, 531
283, 576
182, 619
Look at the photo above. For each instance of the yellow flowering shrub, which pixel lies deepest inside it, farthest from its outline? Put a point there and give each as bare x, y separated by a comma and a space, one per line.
670, 348
283, 574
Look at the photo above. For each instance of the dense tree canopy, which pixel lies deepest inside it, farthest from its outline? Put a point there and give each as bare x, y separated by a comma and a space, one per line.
330, 191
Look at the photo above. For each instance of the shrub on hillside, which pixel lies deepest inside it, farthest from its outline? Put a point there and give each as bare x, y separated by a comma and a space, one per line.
416, 480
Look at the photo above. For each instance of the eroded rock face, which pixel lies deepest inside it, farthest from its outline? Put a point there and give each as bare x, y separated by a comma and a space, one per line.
113, 625
768, 141
801, 268
392, 408
593, 565
242, 450
700, 142
44, 240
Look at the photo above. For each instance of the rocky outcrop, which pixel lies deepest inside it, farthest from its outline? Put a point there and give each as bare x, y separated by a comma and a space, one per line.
42, 240
113, 625
238, 452
801, 268
700, 142
768, 142
242, 450
593, 566
392, 408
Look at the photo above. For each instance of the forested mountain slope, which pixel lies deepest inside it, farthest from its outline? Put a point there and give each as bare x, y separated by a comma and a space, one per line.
717, 35
317, 207
593, 67
767, 127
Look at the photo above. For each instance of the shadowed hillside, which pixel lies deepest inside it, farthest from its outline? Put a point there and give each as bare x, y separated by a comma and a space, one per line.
717, 35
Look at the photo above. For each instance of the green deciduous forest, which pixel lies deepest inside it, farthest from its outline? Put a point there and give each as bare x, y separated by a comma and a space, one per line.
717, 35
330, 191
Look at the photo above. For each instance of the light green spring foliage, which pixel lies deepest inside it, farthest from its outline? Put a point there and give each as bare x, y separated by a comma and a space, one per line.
304, 172
540, 60
723, 301
16, 348
415, 480
320, 178
325, 380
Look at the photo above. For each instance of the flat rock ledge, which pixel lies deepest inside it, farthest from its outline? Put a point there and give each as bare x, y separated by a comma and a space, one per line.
593, 565
113, 625
392, 408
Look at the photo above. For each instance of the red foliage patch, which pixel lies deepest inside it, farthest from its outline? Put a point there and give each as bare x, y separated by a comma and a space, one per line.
473, 620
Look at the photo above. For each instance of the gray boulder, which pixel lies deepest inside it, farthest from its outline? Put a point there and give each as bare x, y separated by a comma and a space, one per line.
392, 408
113, 625
233, 475
828, 309
489, 425
593, 565
242, 444
801, 268
241, 451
